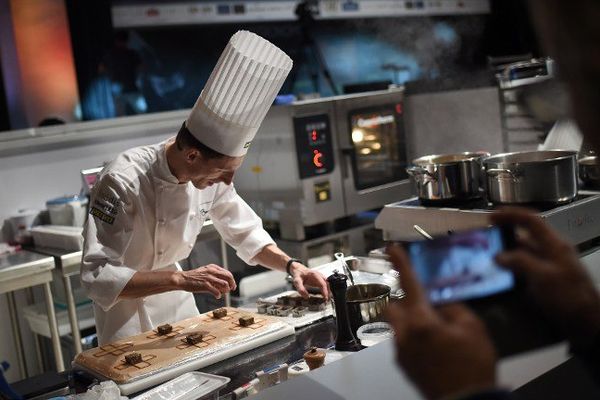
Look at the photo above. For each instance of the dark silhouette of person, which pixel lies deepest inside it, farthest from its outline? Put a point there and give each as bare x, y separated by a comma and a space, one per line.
122, 65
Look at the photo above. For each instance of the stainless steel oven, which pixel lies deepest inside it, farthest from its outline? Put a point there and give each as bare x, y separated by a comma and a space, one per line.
320, 160
373, 149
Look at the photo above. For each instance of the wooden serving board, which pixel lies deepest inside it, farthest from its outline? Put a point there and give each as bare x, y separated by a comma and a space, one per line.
169, 355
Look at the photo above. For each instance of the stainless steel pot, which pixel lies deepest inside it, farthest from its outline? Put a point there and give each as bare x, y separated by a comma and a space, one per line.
366, 303
589, 171
449, 176
532, 177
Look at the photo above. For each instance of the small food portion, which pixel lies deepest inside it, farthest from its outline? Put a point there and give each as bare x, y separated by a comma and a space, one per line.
220, 313
133, 358
164, 329
284, 311
314, 358
262, 308
316, 303
299, 312
246, 320
195, 338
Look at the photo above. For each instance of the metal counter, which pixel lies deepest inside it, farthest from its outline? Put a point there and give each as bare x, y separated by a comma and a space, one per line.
68, 262
23, 270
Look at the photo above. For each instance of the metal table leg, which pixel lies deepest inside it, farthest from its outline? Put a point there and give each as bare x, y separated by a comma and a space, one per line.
72, 315
58, 357
226, 266
38, 353
14, 319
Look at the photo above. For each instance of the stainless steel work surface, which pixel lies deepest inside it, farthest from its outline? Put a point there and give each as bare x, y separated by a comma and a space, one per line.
68, 261
373, 374
23, 263
370, 373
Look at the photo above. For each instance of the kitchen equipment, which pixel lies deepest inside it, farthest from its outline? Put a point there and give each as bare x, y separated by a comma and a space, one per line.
67, 210
589, 171
370, 334
340, 257
520, 129
577, 221
532, 177
20, 224
367, 270
448, 176
366, 303
189, 386
422, 232
316, 161
58, 237
345, 340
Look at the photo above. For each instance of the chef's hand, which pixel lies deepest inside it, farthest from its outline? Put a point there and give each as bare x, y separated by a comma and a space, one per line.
444, 351
553, 276
303, 276
210, 278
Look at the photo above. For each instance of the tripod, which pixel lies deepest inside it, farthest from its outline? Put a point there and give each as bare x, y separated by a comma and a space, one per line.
305, 11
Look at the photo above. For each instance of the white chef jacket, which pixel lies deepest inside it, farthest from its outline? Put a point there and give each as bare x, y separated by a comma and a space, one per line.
143, 219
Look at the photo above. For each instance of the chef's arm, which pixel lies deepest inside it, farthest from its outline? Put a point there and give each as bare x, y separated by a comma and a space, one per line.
147, 283
274, 258
208, 279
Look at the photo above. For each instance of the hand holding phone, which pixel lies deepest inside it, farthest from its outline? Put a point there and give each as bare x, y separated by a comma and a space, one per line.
462, 266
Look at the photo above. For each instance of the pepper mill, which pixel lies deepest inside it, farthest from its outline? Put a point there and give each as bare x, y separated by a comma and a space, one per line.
345, 338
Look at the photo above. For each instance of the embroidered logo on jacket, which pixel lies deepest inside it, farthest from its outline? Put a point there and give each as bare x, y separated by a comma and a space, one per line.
102, 216
106, 206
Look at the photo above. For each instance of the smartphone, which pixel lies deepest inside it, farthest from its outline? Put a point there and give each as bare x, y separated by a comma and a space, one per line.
461, 266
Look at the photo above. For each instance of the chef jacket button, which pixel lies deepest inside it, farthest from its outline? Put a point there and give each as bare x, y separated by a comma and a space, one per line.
162, 221
160, 253
191, 245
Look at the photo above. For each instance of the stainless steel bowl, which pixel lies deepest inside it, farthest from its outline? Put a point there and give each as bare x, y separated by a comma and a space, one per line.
449, 176
589, 171
532, 177
366, 303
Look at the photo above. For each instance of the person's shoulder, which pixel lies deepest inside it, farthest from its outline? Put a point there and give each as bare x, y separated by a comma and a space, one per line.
132, 166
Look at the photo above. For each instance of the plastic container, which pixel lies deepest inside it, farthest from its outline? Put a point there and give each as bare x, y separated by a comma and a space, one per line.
371, 334
37, 318
58, 237
67, 210
189, 386
20, 224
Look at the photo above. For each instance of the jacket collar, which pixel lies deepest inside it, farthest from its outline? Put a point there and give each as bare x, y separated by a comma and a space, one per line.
162, 167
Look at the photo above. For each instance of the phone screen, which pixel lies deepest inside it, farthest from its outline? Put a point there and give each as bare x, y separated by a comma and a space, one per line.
461, 266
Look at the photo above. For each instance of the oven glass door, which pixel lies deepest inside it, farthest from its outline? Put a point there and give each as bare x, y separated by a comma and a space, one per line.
378, 146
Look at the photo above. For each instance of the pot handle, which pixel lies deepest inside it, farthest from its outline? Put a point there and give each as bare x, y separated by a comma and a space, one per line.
417, 172
502, 171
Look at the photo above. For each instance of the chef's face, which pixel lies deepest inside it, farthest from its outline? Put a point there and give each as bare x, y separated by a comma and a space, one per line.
205, 172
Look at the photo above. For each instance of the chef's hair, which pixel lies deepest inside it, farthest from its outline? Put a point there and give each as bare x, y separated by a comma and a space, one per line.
185, 140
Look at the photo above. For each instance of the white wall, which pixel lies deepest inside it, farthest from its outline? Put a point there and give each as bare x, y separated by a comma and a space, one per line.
27, 181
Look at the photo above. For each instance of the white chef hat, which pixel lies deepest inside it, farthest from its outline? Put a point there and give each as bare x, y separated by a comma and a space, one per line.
238, 94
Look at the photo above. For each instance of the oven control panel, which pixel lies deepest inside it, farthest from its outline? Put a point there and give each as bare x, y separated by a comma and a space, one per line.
314, 145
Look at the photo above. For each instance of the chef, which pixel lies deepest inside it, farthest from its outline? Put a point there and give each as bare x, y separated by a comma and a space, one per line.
150, 203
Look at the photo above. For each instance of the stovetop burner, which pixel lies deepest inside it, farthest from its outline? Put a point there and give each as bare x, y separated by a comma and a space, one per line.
482, 204
453, 203
578, 220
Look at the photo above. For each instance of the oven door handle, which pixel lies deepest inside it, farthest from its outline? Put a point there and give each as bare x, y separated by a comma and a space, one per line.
347, 153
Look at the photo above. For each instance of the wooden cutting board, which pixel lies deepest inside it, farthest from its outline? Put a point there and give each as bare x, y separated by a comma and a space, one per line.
159, 353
